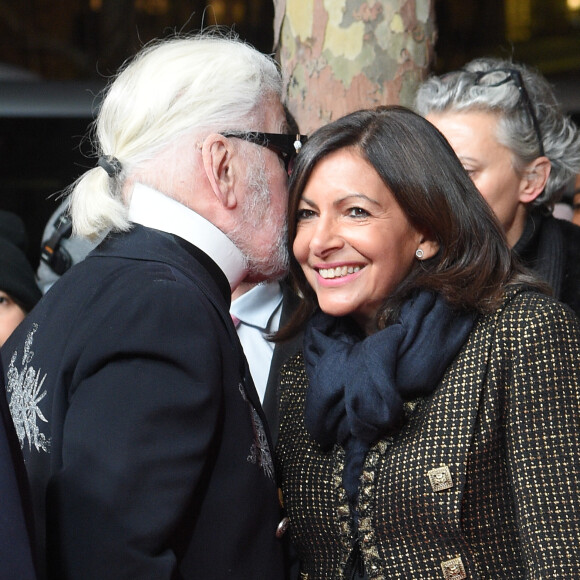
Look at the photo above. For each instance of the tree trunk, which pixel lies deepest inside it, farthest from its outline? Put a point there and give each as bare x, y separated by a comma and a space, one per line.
338, 56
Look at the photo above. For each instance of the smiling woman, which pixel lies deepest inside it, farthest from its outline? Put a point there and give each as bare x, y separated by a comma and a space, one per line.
360, 178
353, 240
412, 418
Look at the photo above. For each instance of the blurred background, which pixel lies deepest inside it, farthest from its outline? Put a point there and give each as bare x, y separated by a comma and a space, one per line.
56, 55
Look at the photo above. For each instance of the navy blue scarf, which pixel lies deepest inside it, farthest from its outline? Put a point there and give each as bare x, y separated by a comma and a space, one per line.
357, 384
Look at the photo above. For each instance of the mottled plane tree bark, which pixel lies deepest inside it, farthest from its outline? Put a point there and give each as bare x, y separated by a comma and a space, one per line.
341, 55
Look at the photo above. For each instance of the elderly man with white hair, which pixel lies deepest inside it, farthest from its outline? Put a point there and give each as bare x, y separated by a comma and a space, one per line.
146, 446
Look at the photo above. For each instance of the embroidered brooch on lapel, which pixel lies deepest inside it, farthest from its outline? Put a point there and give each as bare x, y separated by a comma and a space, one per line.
24, 388
259, 451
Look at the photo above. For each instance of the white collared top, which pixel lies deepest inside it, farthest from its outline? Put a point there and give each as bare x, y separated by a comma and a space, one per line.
258, 311
153, 209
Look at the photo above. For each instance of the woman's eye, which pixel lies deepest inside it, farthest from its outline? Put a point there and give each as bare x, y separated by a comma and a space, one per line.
358, 212
303, 214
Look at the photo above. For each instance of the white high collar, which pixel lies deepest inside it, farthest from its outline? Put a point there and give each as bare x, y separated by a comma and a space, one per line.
153, 209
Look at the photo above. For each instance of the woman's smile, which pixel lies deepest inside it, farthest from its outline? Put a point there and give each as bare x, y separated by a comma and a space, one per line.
337, 272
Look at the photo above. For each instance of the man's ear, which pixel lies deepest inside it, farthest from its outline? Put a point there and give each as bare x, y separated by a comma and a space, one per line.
217, 155
534, 179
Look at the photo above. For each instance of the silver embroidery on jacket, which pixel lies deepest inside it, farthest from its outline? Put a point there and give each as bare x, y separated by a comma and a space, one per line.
260, 451
25, 389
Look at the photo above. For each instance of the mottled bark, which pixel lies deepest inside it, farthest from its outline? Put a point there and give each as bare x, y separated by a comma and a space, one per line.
338, 56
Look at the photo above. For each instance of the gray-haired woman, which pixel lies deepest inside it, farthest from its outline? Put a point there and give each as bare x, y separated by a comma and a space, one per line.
507, 128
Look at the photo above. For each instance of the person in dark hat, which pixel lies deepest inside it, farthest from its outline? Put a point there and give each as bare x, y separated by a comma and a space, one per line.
19, 291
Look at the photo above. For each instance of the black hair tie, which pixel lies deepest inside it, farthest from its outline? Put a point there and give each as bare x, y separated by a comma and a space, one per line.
110, 164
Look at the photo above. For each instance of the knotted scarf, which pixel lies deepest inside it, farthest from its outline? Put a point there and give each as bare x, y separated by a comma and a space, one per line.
358, 384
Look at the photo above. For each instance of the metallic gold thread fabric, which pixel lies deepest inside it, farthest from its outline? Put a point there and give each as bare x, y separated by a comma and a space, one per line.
481, 482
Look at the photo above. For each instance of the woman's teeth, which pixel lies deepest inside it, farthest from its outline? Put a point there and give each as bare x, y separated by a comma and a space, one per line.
338, 272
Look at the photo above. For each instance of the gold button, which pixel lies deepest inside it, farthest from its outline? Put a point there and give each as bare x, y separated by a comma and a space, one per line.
453, 569
440, 478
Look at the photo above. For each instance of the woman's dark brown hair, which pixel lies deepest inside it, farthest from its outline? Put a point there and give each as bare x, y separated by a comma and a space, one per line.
474, 263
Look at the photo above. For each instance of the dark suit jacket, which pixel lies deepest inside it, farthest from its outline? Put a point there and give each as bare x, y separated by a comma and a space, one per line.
16, 528
140, 424
282, 352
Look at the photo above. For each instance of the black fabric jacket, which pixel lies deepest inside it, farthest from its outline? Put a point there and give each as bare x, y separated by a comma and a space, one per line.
16, 524
140, 423
551, 247
282, 352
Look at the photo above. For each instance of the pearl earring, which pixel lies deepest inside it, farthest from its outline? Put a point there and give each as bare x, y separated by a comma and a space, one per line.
419, 253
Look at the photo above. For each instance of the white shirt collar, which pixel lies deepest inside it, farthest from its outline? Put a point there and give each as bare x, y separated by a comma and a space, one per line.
153, 209
257, 306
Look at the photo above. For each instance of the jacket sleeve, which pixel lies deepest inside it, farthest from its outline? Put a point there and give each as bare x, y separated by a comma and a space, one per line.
143, 420
543, 421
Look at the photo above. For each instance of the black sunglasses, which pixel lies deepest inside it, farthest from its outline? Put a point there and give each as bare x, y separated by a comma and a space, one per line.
500, 76
284, 145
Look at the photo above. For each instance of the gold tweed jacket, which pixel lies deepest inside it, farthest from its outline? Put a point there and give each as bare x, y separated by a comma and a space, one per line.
481, 482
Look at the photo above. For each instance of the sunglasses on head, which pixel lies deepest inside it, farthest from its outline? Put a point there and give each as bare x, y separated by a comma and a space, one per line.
284, 145
500, 76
